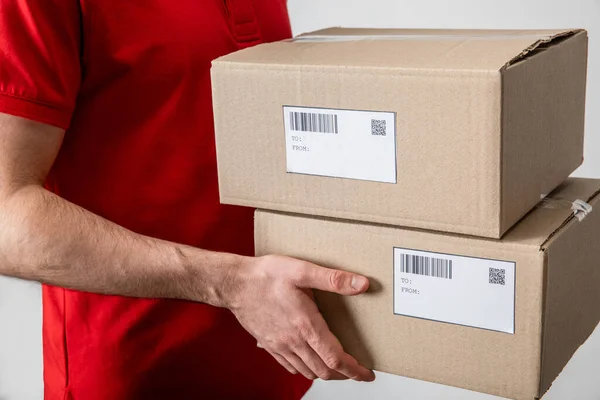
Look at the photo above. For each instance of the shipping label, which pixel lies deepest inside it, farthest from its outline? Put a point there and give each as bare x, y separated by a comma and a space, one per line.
469, 291
341, 143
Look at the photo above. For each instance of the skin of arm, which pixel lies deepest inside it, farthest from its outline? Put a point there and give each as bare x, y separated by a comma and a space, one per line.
47, 239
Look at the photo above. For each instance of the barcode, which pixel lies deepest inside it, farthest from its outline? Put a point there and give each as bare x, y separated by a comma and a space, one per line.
429, 266
313, 122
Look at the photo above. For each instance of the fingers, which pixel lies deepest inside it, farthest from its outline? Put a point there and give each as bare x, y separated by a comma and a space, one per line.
329, 349
331, 280
285, 320
316, 365
324, 354
300, 366
284, 363
339, 366
345, 364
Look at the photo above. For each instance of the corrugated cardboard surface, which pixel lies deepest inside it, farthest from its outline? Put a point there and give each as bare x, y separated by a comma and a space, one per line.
538, 107
446, 88
401, 49
572, 308
492, 362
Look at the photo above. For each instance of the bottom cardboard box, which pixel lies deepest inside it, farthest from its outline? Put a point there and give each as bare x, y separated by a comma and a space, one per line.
496, 316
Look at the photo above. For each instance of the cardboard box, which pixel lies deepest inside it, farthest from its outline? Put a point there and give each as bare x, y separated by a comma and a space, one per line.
512, 311
456, 131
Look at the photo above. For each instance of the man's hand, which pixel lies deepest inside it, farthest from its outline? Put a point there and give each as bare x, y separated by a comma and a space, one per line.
271, 296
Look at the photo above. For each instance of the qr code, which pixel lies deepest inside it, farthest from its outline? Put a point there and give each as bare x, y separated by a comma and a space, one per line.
498, 276
378, 127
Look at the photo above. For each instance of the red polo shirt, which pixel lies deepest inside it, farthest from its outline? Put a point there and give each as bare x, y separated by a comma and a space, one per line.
129, 80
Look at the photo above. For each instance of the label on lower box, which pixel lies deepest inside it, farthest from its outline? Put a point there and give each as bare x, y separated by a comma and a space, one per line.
341, 143
469, 291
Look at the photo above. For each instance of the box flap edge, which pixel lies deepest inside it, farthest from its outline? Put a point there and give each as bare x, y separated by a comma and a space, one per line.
548, 40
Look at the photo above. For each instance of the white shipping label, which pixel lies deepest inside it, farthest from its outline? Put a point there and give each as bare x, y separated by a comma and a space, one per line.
460, 290
341, 143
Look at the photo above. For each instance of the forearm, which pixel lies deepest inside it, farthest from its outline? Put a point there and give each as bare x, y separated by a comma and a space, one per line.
47, 239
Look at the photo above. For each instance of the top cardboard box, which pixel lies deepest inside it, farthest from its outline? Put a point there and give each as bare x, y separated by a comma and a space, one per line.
451, 130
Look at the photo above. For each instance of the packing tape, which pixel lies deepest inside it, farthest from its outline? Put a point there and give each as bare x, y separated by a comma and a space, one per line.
580, 208
409, 36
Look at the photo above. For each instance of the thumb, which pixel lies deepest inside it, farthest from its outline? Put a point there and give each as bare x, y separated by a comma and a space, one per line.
331, 280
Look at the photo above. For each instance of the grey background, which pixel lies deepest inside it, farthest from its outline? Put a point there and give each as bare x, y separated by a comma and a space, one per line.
20, 302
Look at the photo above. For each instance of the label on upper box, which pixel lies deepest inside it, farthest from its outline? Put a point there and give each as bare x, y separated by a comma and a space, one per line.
341, 143
469, 291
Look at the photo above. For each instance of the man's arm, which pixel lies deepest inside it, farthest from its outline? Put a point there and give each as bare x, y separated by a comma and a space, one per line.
47, 239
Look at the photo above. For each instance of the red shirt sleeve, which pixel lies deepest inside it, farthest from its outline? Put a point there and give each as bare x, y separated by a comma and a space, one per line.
40, 59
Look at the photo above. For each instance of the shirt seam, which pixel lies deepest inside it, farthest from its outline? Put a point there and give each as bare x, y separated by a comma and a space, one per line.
34, 101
